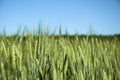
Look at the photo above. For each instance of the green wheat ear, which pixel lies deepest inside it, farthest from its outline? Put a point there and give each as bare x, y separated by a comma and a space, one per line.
4, 48
13, 55
2, 71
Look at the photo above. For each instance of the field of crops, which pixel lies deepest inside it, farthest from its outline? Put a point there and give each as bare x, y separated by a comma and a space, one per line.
59, 57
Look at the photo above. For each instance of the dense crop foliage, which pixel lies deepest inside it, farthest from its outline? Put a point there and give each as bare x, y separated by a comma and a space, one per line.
47, 57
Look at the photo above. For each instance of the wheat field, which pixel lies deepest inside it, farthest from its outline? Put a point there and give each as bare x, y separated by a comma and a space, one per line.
45, 57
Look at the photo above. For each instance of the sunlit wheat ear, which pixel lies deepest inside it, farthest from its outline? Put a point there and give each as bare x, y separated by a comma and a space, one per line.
105, 77
19, 60
13, 56
39, 68
65, 66
39, 45
54, 73
36, 49
53, 69
30, 49
81, 75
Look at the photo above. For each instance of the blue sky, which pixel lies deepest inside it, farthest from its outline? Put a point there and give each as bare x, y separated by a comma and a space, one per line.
74, 15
